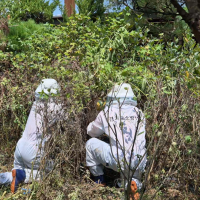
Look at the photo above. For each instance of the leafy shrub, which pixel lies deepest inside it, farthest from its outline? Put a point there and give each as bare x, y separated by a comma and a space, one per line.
21, 31
39, 10
92, 8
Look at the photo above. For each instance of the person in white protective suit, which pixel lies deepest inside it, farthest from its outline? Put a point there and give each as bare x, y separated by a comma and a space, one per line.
30, 147
124, 124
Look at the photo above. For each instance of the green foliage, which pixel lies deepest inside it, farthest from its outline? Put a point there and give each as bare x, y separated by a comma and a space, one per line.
39, 10
63, 12
188, 138
92, 8
21, 31
158, 16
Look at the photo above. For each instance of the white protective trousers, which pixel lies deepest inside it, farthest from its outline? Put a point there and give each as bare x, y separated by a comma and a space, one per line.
99, 155
26, 158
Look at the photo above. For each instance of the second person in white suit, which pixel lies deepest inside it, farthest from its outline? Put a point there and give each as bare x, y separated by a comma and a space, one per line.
30, 148
124, 124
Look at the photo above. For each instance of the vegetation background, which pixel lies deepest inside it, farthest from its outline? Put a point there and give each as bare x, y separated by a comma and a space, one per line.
87, 54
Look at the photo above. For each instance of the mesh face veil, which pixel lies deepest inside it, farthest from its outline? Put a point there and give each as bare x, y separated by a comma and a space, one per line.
120, 94
47, 87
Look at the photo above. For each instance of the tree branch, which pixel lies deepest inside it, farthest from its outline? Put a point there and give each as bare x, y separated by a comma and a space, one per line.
148, 11
180, 10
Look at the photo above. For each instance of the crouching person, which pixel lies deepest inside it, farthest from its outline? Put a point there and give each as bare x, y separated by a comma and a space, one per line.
30, 148
124, 124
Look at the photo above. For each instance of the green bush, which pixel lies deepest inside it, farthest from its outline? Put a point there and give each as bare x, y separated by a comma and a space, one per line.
39, 10
92, 8
22, 31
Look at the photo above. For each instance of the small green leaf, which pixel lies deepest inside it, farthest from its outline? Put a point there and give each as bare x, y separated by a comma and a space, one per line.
188, 138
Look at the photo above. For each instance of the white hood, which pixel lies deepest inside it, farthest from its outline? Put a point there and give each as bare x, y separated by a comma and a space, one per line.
121, 94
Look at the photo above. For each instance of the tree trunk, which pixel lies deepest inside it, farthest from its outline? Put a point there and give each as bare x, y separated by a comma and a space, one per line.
192, 18
70, 7
194, 12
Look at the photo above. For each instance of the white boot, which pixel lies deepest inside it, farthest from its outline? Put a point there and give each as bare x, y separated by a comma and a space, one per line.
5, 178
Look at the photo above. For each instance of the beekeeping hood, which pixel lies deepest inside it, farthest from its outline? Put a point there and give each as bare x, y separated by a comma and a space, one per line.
121, 94
47, 88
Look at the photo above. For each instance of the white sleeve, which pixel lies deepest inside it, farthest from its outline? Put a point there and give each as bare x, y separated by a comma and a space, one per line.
96, 128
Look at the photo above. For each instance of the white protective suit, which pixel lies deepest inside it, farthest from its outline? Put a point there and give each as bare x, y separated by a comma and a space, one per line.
30, 148
123, 123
